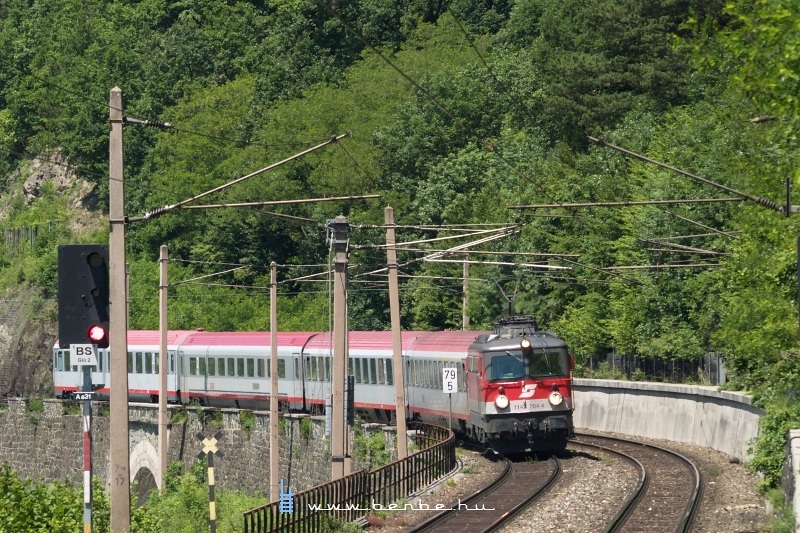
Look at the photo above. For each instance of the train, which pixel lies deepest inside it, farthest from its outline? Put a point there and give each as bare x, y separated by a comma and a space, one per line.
512, 389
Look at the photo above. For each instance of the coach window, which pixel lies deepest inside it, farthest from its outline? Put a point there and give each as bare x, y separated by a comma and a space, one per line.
296, 366
192, 366
381, 372
312, 368
138, 362
156, 368
462, 384
281, 368
240, 367
231, 367
262, 371
148, 363
389, 379
321, 369
202, 366
212, 366
328, 368
220, 366
357, 369
251, 368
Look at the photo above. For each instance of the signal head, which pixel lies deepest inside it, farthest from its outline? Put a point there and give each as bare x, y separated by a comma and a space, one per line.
98, 335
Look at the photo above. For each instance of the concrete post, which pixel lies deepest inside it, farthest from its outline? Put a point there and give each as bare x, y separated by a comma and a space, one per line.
397, 348
163, 368
118, 343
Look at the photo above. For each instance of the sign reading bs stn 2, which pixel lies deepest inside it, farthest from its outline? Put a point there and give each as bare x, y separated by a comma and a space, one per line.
83, 295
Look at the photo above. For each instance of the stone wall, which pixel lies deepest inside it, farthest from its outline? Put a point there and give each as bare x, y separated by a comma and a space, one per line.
45, 442
722, 420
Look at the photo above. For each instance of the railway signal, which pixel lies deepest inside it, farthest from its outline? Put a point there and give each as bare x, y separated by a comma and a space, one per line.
83, 294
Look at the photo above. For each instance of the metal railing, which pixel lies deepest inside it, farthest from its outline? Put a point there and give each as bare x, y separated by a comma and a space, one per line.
707, 370
351, 497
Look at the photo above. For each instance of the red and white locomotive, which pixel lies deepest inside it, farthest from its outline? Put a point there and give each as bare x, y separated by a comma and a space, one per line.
514, 385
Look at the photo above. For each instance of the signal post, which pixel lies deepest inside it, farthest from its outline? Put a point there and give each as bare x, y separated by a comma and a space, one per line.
83, 297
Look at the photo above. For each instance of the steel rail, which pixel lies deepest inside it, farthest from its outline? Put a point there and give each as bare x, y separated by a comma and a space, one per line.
693, 505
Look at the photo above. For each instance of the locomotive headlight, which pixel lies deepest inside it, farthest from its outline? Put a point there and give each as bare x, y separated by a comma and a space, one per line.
501, 401
555, 398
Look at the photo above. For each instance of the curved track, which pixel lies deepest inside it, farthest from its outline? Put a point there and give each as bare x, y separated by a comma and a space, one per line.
520, 483
667, 496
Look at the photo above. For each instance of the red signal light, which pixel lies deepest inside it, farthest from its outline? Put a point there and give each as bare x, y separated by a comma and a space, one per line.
97, 334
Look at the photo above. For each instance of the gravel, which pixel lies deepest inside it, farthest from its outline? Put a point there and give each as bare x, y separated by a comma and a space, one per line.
593, 487
591, 490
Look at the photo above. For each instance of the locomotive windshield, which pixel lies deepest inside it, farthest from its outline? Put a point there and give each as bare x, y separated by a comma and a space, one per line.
515, 365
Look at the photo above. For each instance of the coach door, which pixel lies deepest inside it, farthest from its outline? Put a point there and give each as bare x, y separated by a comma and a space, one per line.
474, 379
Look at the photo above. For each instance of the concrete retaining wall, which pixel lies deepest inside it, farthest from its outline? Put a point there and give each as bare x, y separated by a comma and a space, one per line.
705, 416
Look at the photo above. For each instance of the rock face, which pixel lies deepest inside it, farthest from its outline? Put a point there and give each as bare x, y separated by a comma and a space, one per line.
27, 323
55, 173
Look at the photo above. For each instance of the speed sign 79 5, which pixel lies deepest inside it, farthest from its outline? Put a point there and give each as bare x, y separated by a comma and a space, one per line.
449, 380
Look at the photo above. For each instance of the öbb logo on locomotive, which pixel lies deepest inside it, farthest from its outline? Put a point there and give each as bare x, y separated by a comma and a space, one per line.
513, 384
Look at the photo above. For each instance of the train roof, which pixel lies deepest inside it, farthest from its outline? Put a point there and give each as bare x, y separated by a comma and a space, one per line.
364, 340
445, 341
152, 337
245, 338
144, 337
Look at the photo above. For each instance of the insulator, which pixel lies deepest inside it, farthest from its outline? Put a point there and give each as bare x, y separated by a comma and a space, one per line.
768, 203
158, 212
153, 123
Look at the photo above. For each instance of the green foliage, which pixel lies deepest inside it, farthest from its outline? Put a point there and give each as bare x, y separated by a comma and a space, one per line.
603, 371
371, 449
783, 518
781, 403
306, 428
183, 506
72, 408
250, 83
35, 405
248, 421
26, 505
178, 416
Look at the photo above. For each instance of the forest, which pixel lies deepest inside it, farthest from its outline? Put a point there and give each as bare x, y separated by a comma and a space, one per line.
456, 113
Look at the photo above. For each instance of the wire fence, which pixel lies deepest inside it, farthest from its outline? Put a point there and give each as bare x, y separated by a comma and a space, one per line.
25, 237
707, 370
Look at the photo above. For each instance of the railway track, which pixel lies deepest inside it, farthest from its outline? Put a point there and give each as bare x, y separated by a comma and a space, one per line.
667, 496
520, 483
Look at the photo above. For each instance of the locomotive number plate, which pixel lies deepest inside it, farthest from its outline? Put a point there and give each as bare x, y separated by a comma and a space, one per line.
529, 405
